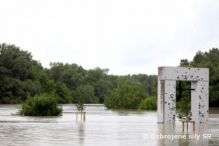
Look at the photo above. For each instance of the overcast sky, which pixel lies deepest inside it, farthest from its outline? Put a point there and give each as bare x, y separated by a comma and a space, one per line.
126, 36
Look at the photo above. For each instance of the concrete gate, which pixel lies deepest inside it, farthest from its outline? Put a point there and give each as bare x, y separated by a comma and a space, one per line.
167, 77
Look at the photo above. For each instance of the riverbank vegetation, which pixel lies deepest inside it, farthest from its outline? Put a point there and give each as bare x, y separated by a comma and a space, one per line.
22, 78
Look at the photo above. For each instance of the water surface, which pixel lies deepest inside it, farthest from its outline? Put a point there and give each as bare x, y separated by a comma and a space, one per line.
102, 128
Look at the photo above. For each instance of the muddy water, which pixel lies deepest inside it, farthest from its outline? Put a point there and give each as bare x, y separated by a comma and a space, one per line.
102, 128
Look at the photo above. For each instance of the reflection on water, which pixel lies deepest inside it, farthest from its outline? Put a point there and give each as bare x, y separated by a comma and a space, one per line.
102, 128
81, 128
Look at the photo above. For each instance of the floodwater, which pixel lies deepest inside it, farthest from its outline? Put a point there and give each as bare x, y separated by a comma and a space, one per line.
102, 128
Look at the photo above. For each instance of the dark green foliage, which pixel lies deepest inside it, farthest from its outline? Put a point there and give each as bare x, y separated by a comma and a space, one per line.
184, 108
149, 82
185, 91
210, 60
149, 103
86, 92
184, 62
80, 104
71, 75
41, 105
20, 75
64, 94
95, 82
103, 88
127, 95
99, 80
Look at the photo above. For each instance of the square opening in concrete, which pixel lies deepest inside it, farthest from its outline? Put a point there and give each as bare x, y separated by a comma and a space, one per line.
183, 98
167, 78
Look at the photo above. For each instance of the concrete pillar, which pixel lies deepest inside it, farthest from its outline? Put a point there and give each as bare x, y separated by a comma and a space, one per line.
166, 101
160, 100
170, 101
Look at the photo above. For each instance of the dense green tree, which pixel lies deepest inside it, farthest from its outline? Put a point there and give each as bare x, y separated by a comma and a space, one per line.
68, 78
103, 88
19, 75
64, 93
149, 103
95, 75
98, 78
127, 95
87, 93
148, 81
70, 74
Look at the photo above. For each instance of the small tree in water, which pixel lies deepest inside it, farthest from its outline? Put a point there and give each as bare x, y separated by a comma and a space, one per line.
80, 105
81, 95
184, 109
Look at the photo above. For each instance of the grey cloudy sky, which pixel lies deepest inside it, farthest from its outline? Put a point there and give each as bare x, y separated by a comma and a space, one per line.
126, 36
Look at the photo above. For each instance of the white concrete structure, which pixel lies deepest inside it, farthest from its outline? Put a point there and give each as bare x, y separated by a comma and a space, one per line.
167, 77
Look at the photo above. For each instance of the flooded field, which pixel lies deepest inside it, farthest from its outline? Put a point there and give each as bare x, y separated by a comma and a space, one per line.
102, 128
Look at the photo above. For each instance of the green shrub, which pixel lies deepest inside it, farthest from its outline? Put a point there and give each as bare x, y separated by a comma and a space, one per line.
149, 103
41, 105
184, 108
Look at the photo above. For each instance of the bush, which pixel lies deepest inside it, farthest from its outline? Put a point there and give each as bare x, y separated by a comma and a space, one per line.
149, 103
184, 106
41, 105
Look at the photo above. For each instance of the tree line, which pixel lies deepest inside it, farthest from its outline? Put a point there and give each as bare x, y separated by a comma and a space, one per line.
22, 77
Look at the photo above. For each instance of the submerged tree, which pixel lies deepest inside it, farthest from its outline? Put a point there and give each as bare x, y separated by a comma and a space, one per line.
184, 108
41, 105
80, 104
81, 93
127, 95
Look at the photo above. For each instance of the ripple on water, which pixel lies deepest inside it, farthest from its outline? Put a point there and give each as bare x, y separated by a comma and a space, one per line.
102, 128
